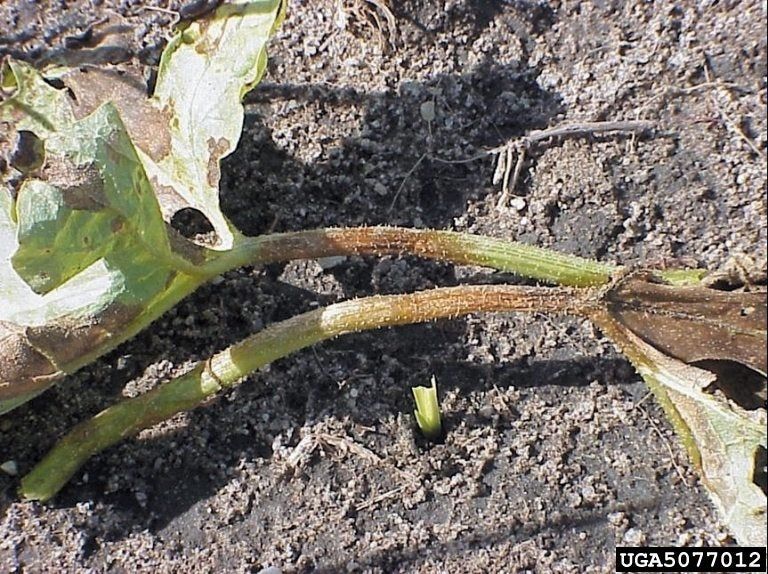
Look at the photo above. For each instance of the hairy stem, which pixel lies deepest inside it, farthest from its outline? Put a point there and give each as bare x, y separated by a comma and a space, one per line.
460, 248
228, 367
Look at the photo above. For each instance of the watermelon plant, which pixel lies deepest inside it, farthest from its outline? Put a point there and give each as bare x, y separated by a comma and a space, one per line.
94, 171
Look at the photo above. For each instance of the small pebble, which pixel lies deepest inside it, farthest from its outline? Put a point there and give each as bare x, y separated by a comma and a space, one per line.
634, 537
428, 111
380, 188
10, 467
517, 203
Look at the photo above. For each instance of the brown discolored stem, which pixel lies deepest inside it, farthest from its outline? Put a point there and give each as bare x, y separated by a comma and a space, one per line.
460, 248
227, 368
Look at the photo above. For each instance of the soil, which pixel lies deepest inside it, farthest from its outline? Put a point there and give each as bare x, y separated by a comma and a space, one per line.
553, 453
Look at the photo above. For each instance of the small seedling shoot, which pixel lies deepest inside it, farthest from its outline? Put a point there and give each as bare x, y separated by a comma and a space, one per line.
427, 411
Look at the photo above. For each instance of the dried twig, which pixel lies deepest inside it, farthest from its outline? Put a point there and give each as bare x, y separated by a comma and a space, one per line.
505, 184
381, 497
370, 12
173, 13
579, 129
504, 172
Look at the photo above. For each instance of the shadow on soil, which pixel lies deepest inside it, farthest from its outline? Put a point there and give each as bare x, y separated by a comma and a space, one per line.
506, 100
584, 521
172, 492
263, 188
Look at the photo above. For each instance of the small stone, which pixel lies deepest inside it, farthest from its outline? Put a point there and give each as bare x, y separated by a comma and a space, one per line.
380, 188
428, 111
616, 518
487, 412
517, 203
10, 467
634, 537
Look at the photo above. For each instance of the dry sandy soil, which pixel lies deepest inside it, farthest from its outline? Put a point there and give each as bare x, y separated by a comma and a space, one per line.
554, 454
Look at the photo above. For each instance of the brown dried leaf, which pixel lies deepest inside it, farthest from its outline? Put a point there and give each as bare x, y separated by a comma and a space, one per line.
693, 323
662, 329
126, 89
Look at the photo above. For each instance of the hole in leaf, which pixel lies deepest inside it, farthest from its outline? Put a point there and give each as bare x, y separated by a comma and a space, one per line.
760, 476
151, 78
28, 152
743, 385
59, 84
192, 224
55, 83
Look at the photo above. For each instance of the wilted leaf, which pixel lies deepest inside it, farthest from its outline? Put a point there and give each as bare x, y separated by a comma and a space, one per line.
86, 256
662, 328
92, 200
35, 105
203, 75
84, 253
125, 88
694, 323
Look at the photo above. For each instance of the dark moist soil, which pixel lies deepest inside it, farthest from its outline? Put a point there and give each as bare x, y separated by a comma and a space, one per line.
554, 453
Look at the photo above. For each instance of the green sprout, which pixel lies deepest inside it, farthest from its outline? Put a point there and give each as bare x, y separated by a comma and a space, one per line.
427, 411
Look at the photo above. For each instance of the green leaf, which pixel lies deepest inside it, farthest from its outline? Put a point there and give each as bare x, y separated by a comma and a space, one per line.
93, 196
203, 75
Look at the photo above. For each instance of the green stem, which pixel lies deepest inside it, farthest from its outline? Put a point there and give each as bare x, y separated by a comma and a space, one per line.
228, 367
460, 248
